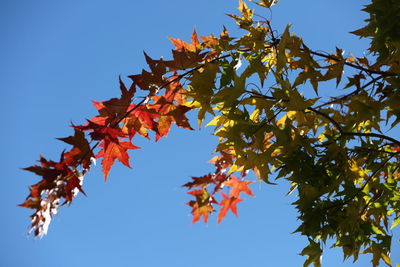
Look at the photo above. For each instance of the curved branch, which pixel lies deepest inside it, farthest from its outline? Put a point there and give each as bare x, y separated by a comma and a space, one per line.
356, 91
335, 123
394, 141
370, 71
342, 132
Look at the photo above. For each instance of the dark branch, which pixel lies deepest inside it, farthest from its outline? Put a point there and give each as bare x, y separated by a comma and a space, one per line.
370, 71
353, 93
335, 123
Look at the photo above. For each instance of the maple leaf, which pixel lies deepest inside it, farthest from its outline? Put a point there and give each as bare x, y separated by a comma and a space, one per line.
185, 55
183, 60
153, 80
45, 170
146, 116
201, 195
59, 181
81, 151
164, 125
200, 211
51, 172
228, 203
37, 189
112, 151
173, 92
72, 183
201, 181
157, 67
100, 132
238, 187
31, 204
140, 121
132, 125
113, 110
148, 81
181, 45
202, 206
177, 113
309, 145
172, 114
210, 41
223, 161
77, 140
266, 3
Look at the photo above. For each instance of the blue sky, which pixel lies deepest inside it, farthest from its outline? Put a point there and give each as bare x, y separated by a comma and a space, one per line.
56, 56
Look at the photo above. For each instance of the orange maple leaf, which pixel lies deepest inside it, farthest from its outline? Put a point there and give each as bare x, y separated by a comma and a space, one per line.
199, 211
112, 151
228, 203
172, 113
202, 206
238, 187
140, 121
181, 45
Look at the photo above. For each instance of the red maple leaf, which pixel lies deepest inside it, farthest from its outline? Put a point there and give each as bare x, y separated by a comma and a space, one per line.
184, 60
148, 80
223, 161
156, 66
111, 111
55, 174
72, 182
31, 203
228, 203
101, 132
238, 187
81, 151
202, 181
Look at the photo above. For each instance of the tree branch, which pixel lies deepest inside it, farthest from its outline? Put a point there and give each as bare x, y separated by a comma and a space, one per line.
356, 91
335, 123
147, 98
370, 71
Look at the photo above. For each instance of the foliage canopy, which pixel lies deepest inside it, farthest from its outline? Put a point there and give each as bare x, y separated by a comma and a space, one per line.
261, 91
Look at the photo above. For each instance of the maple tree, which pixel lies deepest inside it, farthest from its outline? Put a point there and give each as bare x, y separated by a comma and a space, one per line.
261, 92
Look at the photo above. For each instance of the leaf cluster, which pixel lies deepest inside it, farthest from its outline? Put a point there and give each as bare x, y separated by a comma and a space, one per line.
261, 92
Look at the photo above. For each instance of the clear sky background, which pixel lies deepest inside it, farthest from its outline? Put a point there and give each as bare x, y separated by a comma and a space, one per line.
56, 56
